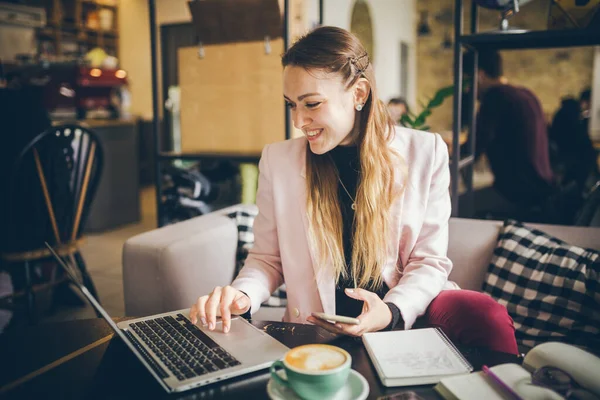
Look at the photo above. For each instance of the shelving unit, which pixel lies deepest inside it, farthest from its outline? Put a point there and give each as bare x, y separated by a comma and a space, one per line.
498, 41
529, 40
77, 26
162, 156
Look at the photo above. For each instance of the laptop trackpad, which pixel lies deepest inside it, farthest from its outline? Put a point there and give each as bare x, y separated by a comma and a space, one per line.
244, 340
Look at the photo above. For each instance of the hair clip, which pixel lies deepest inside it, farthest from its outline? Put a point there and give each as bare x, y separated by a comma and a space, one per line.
355, 60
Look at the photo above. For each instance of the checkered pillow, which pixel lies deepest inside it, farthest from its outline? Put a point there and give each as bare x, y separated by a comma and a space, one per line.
244, 220
550, 288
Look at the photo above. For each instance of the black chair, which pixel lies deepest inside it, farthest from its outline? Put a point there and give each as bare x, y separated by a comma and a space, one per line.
50, 190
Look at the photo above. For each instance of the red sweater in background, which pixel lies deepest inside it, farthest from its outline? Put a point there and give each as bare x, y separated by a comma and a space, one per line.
512, 132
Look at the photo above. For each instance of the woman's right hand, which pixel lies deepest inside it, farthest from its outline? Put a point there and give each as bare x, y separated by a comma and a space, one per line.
224, 300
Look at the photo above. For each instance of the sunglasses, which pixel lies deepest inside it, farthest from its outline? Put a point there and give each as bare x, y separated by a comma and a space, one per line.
562, 383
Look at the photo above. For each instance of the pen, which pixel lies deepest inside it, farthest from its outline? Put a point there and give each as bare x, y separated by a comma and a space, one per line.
500, 383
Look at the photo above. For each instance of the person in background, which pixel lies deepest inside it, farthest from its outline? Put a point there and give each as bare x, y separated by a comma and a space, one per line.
353, 215
585, 104
573, 150
397, 107
511, 131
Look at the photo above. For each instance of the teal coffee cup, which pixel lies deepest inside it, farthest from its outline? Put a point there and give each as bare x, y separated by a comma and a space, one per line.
314, 371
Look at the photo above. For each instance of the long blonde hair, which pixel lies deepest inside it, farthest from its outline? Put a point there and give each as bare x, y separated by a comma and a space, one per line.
335, 50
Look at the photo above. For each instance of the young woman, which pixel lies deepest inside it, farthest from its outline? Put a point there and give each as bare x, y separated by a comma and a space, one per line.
353, 216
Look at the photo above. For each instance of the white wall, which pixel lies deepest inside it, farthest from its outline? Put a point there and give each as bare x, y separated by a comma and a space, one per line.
393, 21
134, 54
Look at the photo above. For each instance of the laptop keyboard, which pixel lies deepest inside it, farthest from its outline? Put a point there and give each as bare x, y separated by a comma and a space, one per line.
183, 348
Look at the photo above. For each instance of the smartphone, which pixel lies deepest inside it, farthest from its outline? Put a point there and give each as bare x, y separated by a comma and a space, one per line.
336, 318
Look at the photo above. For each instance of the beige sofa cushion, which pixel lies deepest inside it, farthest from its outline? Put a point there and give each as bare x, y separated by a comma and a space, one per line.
168, 268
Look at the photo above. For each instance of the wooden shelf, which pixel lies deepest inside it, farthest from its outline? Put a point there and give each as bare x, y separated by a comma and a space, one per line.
68, 24
46, 35
98, 5
72, 27
533, 39
113, 33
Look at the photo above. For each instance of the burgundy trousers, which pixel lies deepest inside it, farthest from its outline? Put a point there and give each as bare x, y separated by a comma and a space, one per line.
471, 318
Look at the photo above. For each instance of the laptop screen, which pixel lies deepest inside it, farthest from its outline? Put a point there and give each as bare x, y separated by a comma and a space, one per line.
73, 276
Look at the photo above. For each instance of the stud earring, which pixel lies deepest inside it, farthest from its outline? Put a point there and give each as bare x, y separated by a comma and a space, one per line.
358, 107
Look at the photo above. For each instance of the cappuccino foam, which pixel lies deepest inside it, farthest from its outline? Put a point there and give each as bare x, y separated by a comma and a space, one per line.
315, 358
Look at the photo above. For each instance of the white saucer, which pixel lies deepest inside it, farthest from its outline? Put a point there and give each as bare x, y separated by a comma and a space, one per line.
356, 388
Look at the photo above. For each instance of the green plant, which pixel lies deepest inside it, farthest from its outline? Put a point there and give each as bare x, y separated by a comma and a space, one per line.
417, 121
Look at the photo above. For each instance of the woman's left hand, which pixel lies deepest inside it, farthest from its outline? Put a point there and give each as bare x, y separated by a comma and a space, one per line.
375, 316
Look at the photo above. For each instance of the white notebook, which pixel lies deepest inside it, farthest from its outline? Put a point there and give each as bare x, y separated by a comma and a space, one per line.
414, 357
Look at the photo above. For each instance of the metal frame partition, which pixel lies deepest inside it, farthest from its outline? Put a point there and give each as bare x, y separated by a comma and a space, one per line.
161, 156
498, 41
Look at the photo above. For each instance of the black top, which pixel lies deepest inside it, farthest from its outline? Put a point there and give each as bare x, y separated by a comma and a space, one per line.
347, 163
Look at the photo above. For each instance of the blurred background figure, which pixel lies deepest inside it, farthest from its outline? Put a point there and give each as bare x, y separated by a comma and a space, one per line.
573, 154
397, 107
585, 103
512, 133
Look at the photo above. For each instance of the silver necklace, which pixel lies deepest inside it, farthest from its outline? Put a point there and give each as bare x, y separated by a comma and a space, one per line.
353, 206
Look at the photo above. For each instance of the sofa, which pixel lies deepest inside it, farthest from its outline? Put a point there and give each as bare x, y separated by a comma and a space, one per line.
168, 268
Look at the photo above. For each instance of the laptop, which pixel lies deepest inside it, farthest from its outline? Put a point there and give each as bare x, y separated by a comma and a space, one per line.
181, 355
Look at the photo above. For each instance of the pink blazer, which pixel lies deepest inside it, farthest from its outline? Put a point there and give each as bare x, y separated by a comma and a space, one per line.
416, 269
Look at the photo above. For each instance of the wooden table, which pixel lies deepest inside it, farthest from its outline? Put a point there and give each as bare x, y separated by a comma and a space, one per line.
108, 369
